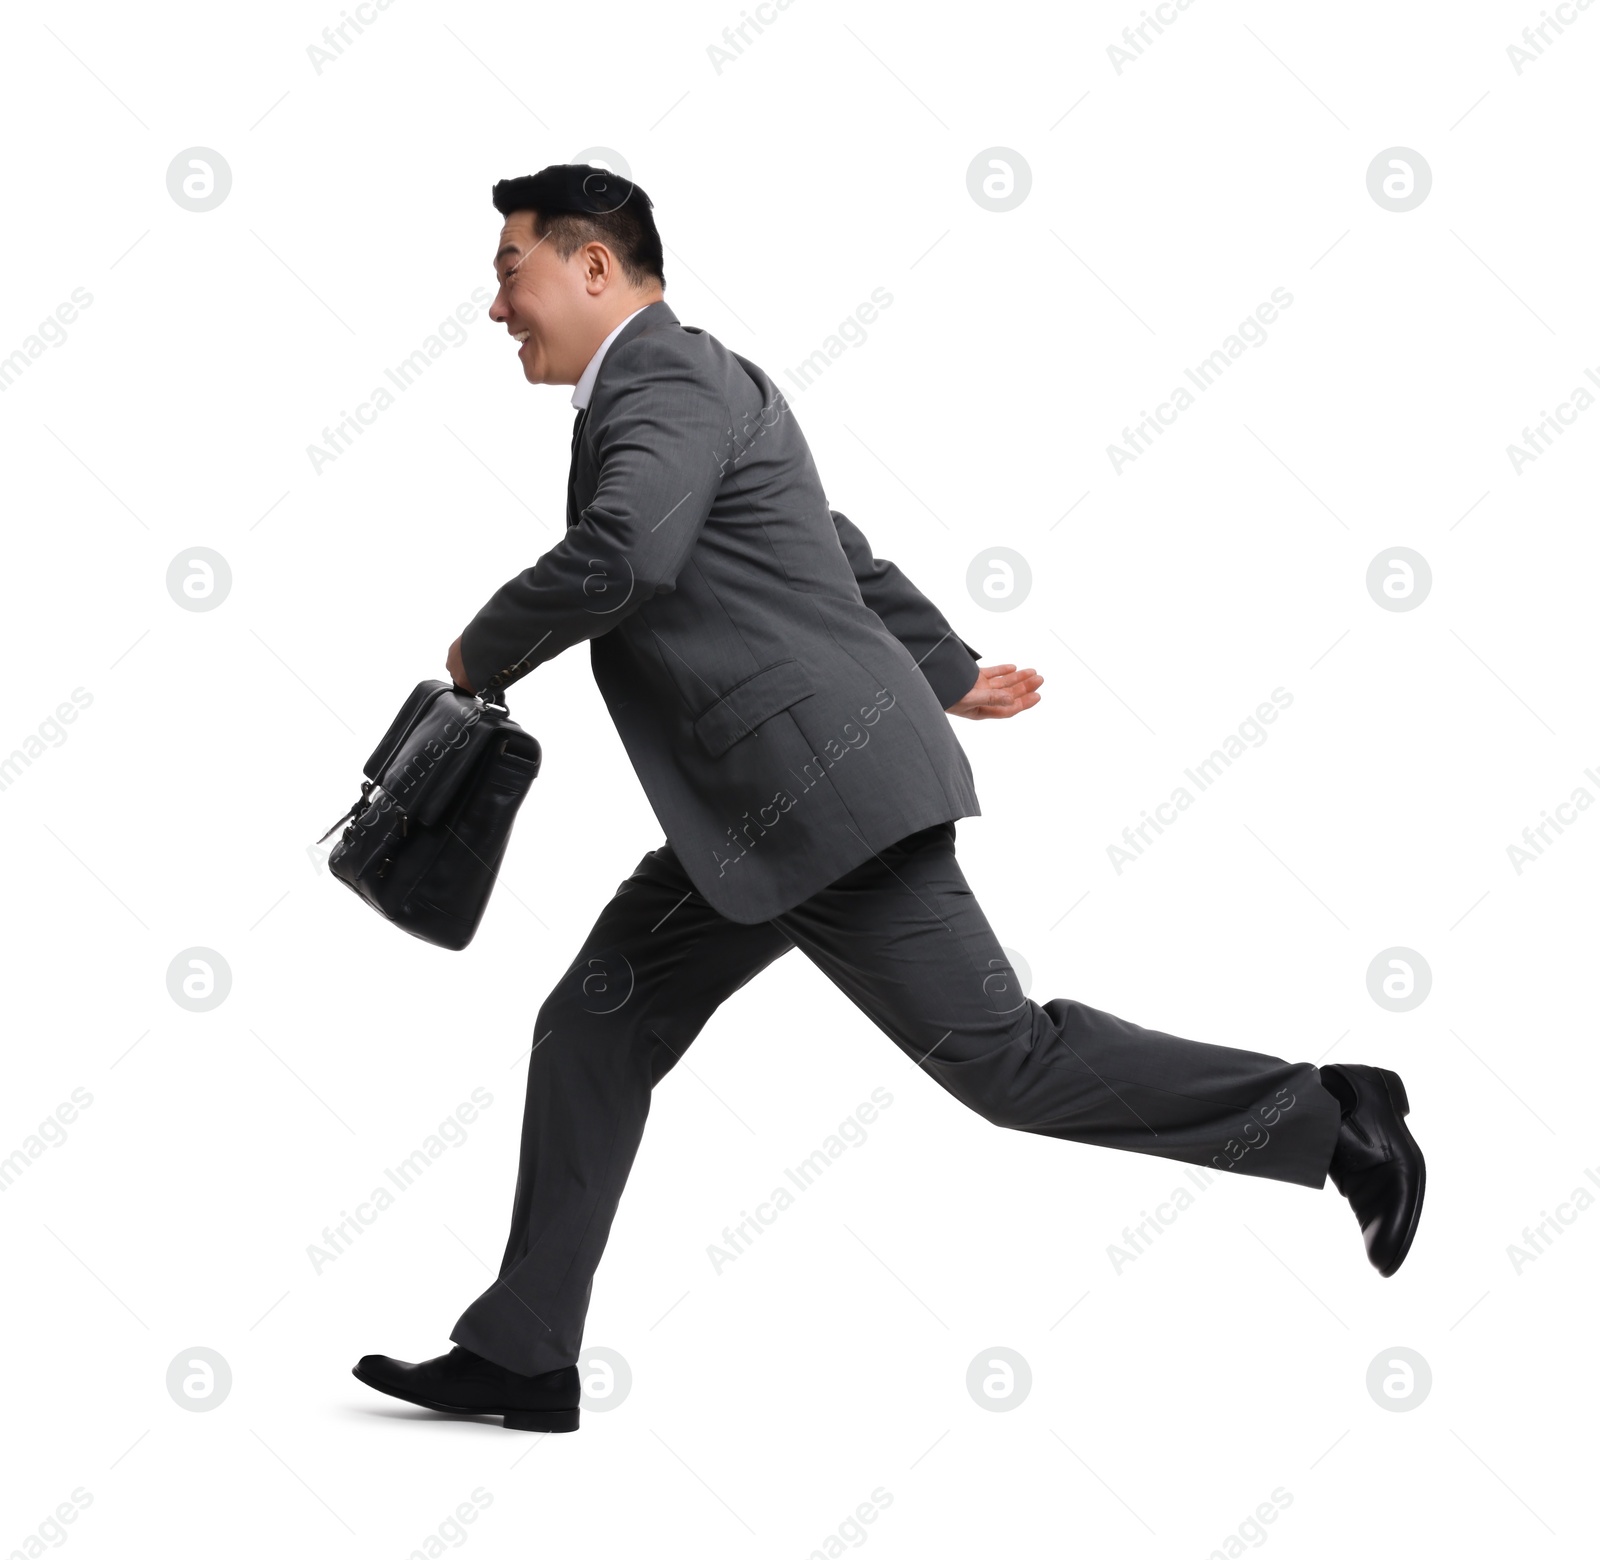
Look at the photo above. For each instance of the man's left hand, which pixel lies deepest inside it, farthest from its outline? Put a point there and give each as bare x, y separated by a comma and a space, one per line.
457, 667
999, 692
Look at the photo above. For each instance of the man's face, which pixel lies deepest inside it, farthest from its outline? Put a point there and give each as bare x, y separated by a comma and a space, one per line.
544, 298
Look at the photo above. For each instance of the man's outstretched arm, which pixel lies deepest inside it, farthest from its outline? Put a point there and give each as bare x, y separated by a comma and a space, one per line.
661, 441
946, 660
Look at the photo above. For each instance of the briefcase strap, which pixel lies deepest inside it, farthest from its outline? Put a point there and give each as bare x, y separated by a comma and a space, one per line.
361, 801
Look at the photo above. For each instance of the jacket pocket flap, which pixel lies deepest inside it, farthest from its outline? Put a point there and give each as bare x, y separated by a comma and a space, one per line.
745, 705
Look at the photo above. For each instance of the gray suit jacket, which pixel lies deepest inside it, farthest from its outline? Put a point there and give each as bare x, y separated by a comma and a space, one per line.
780, 691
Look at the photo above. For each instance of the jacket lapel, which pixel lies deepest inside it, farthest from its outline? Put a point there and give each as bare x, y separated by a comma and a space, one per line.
580, 490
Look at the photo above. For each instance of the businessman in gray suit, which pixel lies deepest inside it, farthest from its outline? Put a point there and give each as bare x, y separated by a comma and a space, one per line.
782, 695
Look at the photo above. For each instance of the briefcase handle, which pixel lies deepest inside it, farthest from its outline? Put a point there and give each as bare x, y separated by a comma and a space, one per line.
493, 696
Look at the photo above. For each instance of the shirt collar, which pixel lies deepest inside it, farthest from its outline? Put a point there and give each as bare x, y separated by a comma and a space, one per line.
585, 386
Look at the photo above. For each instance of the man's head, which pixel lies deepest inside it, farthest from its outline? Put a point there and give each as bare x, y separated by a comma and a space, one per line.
578, 253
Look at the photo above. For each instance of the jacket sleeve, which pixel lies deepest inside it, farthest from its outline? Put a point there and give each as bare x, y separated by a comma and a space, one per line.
661, 439
946, 660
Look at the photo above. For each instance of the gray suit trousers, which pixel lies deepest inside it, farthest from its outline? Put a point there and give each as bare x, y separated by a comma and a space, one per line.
903, 937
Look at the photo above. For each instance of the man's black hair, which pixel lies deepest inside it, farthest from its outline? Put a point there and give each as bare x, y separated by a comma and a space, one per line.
575, 204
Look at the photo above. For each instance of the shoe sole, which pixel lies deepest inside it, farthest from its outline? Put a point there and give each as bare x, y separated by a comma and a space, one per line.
1402, 1107
548, 1420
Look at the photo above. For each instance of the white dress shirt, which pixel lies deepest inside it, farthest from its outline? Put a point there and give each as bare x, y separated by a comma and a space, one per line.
581, 390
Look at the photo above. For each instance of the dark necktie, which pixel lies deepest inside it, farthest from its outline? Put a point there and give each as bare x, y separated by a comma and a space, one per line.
572, 467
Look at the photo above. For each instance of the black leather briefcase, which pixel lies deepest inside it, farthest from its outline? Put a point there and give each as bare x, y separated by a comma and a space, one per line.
424, 843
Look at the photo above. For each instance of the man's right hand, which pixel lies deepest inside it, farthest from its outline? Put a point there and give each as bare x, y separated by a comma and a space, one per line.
999, 692
456, 667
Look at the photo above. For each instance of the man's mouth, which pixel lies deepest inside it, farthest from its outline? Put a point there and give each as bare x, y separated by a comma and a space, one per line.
520, 337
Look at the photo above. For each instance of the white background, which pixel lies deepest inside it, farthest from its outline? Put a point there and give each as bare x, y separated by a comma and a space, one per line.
828, 159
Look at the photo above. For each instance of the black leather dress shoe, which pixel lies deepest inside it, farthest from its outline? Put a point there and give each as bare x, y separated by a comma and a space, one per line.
462, 1382
1376, 1161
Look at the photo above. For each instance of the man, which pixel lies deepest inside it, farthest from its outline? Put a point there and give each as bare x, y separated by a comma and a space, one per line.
782, 695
